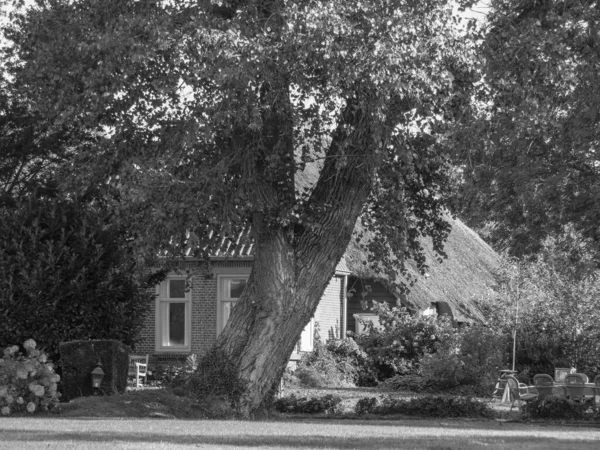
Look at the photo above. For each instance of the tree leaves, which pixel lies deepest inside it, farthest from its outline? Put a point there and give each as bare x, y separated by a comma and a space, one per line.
528, 147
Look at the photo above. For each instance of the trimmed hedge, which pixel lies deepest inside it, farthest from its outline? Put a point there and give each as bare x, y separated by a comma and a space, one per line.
79, 358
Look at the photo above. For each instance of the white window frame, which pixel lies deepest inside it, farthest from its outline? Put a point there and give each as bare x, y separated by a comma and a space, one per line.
374, 318
163, 298
223, 275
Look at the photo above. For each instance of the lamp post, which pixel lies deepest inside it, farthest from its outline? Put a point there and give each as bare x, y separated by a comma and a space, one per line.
97, 376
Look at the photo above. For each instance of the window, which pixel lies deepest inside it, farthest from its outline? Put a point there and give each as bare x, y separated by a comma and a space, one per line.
173, 315
369, 317
230, 290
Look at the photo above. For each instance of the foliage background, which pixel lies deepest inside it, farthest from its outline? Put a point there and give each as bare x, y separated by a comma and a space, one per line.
67, 273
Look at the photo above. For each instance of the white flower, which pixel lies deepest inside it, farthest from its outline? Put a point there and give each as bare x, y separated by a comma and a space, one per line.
20, 400
22, 373
39, 391
29, 344
32, 386
30, 407
43, 358
10, 399
3, 392
5, 411
14, 349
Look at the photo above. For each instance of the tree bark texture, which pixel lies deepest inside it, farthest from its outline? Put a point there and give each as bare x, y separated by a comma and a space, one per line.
293, 265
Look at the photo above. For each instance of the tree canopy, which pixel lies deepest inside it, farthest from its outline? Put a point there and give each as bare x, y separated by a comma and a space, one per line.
206, 113
528, 148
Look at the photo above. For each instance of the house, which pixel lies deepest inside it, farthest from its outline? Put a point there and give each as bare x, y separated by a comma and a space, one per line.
450, 287
194, 302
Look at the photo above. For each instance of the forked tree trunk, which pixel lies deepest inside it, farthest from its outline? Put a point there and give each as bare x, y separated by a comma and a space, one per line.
291, 271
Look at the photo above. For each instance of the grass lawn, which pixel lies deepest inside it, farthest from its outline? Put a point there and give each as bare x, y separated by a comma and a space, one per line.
59, 433
156, 419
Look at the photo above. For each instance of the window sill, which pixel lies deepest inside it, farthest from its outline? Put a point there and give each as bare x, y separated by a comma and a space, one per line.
173, 350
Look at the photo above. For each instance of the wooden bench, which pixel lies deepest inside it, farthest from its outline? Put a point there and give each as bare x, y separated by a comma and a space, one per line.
138, 367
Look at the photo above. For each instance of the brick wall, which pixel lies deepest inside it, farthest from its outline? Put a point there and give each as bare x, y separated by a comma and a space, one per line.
203, 307
204, 311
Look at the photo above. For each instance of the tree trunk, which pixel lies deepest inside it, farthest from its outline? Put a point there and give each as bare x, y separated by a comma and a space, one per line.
293, 266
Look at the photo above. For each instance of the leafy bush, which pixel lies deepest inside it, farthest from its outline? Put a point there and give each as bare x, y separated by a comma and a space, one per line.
67, 272
365, 405
174, 376
398, 347
27, 381
468, 356
337, 363
215, 375
328, 404
556, 408
436, 407
411, 382
78, 359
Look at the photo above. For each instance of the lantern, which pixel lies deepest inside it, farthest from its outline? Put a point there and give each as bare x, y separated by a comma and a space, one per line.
97, 376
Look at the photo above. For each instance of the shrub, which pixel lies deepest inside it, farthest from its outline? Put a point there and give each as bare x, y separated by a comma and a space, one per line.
174, 376
436, 407
27, 381
215, 375
67, 272
365, 405
79, 358
556, 408
397, 348
328, 404
467, 357
411, 382
337, 363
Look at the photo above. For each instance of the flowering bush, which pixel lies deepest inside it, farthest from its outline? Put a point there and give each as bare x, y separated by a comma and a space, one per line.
27, 382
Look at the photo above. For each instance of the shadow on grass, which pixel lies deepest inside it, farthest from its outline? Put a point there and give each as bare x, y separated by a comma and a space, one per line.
414, 437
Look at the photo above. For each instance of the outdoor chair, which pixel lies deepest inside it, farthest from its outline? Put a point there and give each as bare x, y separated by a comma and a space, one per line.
138, 368
518, 391
597, 391
544, 384
576, 378
584, 376
575, 386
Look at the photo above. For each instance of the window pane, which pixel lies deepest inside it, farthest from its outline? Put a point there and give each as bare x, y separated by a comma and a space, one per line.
236, 287
176, 324
177, 288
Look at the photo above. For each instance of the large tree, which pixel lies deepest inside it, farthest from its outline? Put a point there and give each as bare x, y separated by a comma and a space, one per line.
209, 114
528, 150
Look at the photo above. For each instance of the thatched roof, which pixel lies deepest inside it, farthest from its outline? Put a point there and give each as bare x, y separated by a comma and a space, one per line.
466, 275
